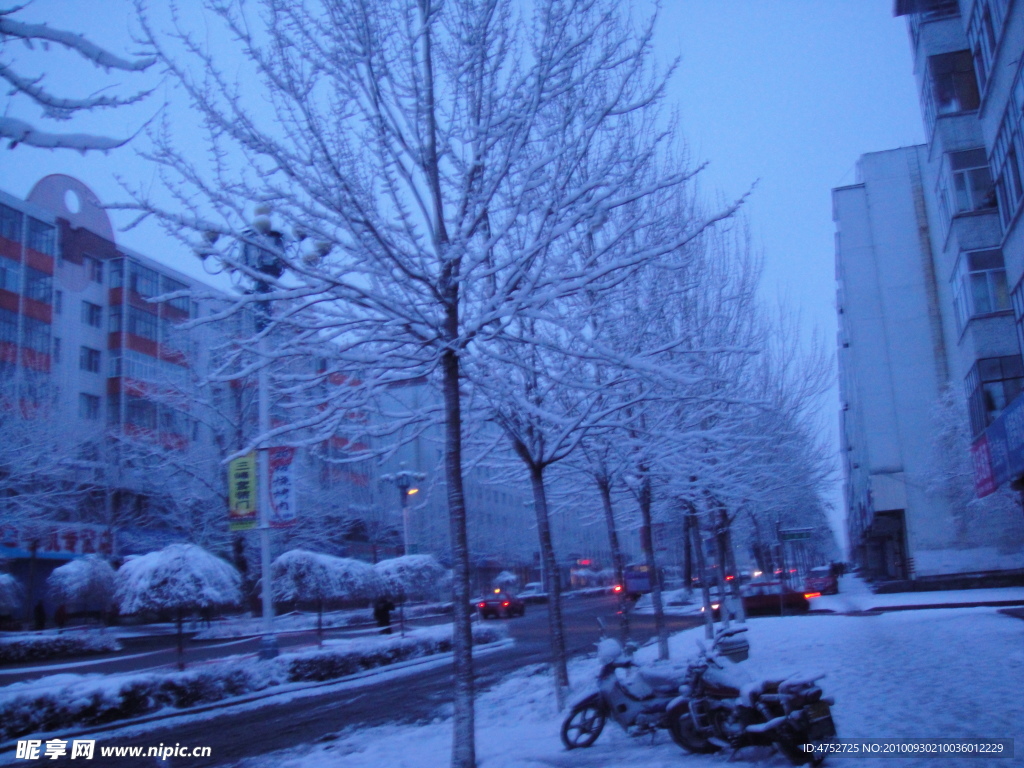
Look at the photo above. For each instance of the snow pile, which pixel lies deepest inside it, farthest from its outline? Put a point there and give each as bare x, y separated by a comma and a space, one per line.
411, 577
899, 675
84, 584
300, 575
16, 650
178, 577
10, 594
62, 701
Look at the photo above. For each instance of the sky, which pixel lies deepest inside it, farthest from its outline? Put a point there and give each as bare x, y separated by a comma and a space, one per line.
781, 96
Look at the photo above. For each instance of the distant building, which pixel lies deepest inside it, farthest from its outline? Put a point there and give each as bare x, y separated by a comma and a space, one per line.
928, 246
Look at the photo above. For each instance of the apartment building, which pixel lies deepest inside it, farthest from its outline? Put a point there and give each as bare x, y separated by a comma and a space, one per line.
928, 247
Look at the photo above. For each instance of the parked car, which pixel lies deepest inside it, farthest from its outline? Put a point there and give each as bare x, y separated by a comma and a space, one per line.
533, 592
765, 597
822, 579
500, 604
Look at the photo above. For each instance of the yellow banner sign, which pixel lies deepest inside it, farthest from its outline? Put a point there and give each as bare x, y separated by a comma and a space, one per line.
242, 504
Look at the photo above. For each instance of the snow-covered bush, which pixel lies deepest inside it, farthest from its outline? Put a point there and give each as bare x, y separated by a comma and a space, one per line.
411, 577
85, 584
302, 575
180, 577
15, 650
91, 701
10, 595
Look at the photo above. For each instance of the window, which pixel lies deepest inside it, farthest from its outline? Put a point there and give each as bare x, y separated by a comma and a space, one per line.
92, 314
972, 188
89, 359
172, 286
8, 326
953, 87
35, 335
58, 302
95, 268
38, 285
983, 31
141, 323
992, 384
42, 237
10, 275
56, 349
116, 269
979, 285
1007, 153
88, 406
141, 413
144, 282
10, 223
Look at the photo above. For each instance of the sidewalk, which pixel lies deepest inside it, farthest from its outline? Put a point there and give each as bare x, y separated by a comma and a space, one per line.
856, 597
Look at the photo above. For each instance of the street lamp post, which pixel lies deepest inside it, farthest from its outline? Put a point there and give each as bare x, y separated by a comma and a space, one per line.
403, 480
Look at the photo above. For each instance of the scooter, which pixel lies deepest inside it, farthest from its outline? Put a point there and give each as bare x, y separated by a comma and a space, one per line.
636, 696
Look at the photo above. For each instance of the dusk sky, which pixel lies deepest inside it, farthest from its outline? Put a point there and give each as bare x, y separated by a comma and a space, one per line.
785, 93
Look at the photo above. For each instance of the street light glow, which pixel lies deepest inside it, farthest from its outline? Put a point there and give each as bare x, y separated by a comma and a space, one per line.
411, 491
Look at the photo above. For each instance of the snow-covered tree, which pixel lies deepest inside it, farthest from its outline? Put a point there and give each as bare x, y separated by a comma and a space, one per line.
21, 36
83, 584
178, 579
301, 575
506, 580
10, 595
428, 160
410, 577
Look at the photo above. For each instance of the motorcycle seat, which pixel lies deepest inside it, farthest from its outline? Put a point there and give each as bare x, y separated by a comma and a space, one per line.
662, 681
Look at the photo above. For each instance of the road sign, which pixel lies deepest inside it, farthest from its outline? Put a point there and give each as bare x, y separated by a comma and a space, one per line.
242, 493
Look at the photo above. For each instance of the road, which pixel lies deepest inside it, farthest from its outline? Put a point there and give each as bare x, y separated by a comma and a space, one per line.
234, 735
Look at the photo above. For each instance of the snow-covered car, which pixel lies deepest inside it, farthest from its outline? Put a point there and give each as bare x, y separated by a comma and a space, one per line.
822, 580
765, 597
500, 605
533, 592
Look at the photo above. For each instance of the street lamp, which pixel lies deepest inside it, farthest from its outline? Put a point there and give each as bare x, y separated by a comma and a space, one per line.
403, 480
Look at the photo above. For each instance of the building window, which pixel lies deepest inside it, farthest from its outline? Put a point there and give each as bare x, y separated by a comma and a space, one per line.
172, 286
953, 87
88, 406
92, 314
10, 223
38, 285
143, 281
89, 359
42, 237
1007, 154
979, 285
56, 349
10, 275
140, 412
95, 267
35, 335
971, 183
143, 324
116, 269
8, 326
983, 31
58, 302
992, 384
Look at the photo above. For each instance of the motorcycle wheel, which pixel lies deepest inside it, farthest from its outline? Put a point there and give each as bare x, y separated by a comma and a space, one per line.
684, 733
583, 724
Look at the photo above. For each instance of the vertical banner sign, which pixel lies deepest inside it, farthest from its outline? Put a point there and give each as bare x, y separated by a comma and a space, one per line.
282, 488
242, 493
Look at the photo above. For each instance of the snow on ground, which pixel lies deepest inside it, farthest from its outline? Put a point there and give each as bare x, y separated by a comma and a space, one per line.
919, 674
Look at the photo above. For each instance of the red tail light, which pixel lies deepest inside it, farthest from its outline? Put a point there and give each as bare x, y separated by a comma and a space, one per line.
481, 605
505, 604
617, 588
809, 595
729, 578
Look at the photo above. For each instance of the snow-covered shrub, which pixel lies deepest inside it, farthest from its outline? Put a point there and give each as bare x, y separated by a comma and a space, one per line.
91, 701
180, 577
16, 650
85, 584
412, 577
10, 595
301, 575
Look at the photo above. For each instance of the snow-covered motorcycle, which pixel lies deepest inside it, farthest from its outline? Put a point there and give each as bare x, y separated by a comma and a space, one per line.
635, 696
720, 706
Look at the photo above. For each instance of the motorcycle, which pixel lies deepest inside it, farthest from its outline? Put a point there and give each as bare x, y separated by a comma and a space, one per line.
635, 696
720, 707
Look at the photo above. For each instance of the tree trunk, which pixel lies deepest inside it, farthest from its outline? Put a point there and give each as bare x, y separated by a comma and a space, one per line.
604, 486
547, 554
463, 737
687, 552
647, 541
698, 549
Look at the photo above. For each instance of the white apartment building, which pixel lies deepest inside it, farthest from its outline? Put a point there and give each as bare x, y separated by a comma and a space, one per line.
927, 246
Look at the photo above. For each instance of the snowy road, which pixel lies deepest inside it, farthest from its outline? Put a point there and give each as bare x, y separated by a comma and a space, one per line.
420, 695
